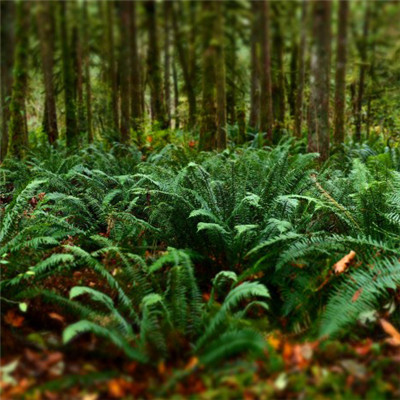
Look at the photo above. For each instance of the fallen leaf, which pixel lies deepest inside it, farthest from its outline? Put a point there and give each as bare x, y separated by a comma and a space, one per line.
344, 263
356, 295
192, 363
116, 388
57, 317
394, 340
14, 319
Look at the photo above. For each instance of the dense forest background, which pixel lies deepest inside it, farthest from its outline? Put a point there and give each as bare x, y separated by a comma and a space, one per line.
81, 71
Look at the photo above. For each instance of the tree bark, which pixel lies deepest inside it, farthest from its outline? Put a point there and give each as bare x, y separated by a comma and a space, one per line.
254, 120
298, 114
278, 87
136, 83
266, 115
341, 57
112, 71
363, 70
18, 134
46, 34
7, 60
86, 39
319, 130
68, 75
167, 60
220, 78
154, 72
124, 10
184, 60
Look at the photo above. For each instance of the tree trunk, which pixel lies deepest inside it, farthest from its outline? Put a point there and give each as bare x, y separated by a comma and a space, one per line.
7, 60
86, 39
112, 71
18, 135
68, 75
208, 125
167, 60
266, 116
230, 64
319, 132
136, 84
154, 76
363, 69
184, 60
278, 87
220, 78
176, 95
254, 120
46, 34
340, 89
125, 15
298, 115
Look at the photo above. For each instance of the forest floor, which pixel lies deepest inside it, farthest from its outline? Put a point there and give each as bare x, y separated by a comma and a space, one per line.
35, 367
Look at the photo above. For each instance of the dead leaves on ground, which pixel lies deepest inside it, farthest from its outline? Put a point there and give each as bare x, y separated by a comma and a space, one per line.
394, 334
343, 264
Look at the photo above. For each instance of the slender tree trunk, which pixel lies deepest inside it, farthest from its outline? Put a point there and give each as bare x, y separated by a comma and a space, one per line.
78, 72
6, 60
298, 114
167, 60
176, 95
266, 116
319, 130
208, 125
136, 84
46, 30
220, 78
112, 71
340, 91
363, 69
86, 39
230, 64
184, 60
68, 75
18, 134
278, 88
124, 23
293, 77
154, 75
254, 120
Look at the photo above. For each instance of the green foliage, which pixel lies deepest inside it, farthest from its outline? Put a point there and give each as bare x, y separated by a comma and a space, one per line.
243, 214
171, 316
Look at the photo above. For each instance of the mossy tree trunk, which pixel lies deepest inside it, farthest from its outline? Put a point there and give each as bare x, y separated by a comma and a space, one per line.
341, 56
88, 87
254, 119
154, 71
136, 84
298, 114
213, 122
69, 81
266, 114
184, 58
124, 10
46, 29
220, 77
112, 69
278, 87
18, 135
167, 60
7, 60
363, 47
318, 126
